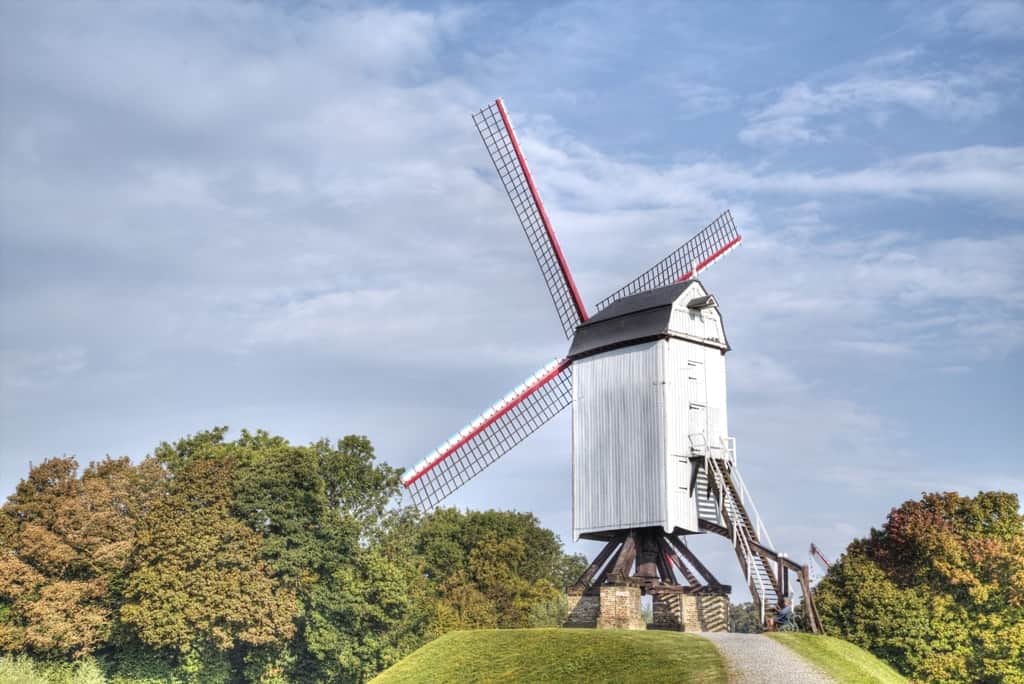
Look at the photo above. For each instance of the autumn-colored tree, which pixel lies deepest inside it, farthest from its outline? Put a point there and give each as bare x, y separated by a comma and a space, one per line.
67, 542
938, 591
254, 559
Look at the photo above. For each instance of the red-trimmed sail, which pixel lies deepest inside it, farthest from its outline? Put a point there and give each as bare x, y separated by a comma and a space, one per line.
503, 146
696, 254
491, 436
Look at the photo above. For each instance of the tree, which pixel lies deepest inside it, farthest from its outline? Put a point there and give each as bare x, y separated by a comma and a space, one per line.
330, 528
198, 585
257, 560
938, 591
745, 618
68, 541
493, 569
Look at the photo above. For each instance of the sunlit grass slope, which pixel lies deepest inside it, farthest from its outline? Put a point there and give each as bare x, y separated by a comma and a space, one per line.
560, 655
847, 663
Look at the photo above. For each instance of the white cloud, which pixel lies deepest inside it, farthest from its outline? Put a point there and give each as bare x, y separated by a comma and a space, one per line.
806, 113
997, 19
580, 176
986, 19
22, 369
697, 99
874, 347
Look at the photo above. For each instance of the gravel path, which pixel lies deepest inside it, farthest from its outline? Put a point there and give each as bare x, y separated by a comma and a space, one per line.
756, 659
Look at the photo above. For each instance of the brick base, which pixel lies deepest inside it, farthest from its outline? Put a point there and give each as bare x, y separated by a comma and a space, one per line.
620, 608
583, 609
713, 612
691, 613
667, 612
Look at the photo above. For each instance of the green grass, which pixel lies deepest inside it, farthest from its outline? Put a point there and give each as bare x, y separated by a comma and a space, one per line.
846, 662
560, 655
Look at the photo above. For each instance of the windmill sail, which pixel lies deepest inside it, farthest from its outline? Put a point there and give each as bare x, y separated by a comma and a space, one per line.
491, 436
696, 254
503, 146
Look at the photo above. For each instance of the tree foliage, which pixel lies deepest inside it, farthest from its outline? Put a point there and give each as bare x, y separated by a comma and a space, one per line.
938, 591
745, 618
494, 569
256, 560
68, 542
199, 583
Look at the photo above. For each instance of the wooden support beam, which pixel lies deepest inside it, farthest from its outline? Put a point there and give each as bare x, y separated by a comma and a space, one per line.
671, 554
810, 609
603, 575
709, 578
664, 566
624, 563
757, 547
588, 575
673, 589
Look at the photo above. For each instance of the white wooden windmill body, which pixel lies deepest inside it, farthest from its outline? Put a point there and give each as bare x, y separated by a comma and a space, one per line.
651, 453
649, 403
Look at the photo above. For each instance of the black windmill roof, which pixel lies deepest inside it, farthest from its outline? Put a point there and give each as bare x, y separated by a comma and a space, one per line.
630, 320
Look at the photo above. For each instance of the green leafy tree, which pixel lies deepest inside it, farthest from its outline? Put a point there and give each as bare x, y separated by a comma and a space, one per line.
745, 618
332, 531
493, 569
257, 560
199, 586
938, 591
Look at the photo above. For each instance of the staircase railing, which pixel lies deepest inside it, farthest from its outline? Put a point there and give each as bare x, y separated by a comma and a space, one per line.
746, 500
753, 576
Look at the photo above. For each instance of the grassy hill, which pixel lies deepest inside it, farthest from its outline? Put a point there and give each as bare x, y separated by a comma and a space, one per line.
846, 662
560, 655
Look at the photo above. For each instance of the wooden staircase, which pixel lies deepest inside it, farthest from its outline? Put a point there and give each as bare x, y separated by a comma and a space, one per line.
765, 570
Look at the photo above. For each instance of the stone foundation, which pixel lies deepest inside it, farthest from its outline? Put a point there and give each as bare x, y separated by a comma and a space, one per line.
583, 609
691, 612
713, 612
620, 608
668, 612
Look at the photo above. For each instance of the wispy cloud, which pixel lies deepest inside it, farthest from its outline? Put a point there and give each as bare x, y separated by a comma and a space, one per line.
586, 177
697, 99
25, 369
822, 110
986, 19
997, 18
806, 113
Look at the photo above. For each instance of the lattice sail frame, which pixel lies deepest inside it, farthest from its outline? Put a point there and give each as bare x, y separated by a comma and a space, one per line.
502, 145
703, 249
468, 452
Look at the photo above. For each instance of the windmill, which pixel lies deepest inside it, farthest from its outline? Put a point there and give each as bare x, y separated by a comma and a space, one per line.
652, 460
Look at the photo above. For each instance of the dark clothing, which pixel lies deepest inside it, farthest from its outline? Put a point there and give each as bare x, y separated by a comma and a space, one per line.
784, 616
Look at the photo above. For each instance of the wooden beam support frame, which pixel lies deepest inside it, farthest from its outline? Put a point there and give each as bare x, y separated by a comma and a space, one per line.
624, 561
672, 555
584, 581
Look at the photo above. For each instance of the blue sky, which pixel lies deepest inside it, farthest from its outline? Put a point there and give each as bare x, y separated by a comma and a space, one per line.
280, 216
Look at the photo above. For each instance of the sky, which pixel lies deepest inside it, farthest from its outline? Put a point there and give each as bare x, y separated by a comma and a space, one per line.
280, 216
